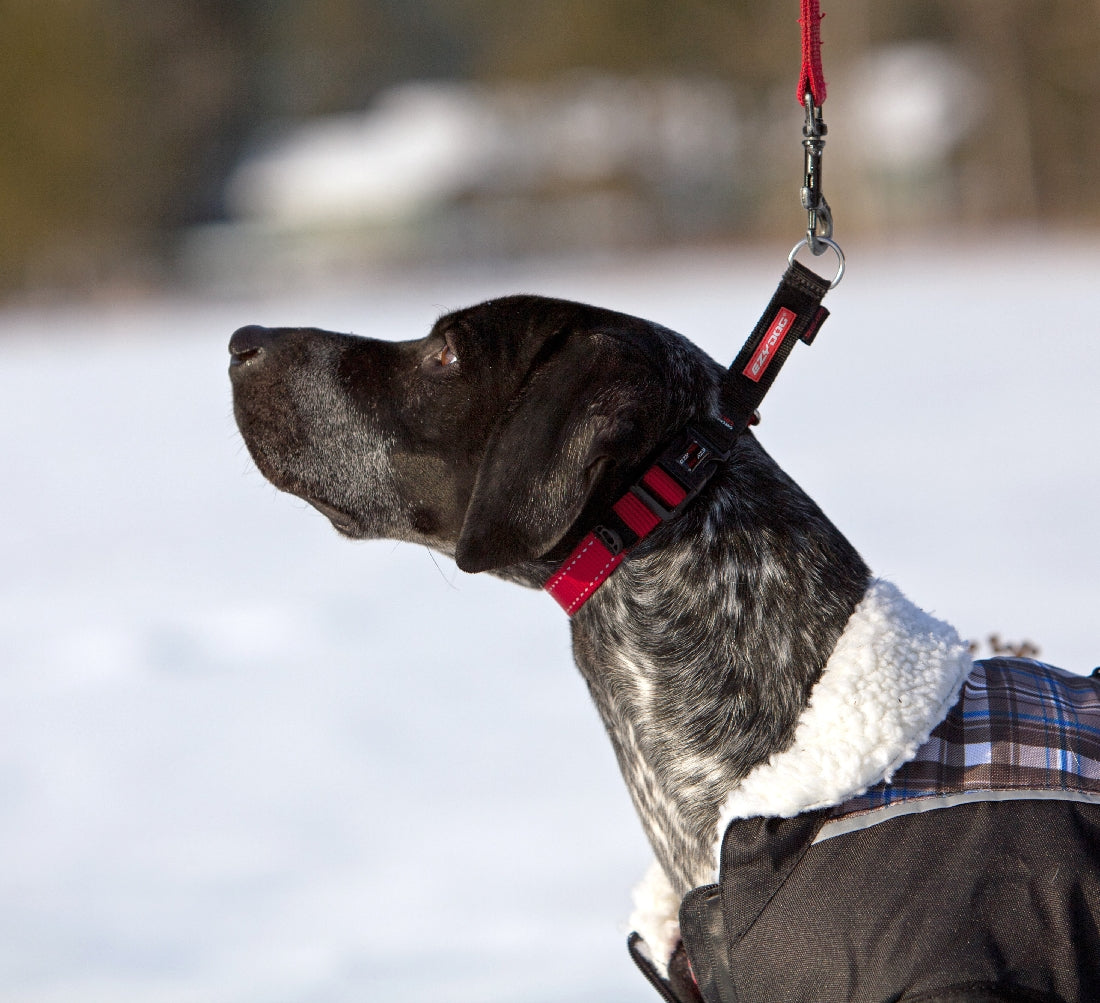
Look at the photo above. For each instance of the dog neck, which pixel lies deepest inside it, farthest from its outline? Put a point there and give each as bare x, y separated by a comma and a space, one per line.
701, 650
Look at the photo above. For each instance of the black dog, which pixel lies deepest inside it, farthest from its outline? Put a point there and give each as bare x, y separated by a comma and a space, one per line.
756, 682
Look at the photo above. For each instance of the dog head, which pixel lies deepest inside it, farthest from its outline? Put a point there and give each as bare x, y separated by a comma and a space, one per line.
491, 439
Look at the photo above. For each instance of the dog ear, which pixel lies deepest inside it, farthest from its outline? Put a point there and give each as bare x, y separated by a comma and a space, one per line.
565, 433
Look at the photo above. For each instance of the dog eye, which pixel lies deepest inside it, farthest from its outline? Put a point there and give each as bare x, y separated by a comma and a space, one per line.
446, 356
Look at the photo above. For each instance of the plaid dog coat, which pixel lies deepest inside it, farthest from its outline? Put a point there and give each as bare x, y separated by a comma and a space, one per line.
969, 876
1020, 729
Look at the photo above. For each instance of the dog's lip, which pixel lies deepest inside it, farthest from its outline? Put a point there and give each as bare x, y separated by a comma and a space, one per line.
341, 521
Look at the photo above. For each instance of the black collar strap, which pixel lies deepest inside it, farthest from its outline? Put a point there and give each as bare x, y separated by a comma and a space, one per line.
691, 459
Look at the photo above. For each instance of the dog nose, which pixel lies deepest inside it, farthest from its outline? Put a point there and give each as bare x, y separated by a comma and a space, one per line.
248, 344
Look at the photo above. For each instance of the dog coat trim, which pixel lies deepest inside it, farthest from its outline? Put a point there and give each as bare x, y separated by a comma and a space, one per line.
656, 916
864, 820
1020, 729
893, 676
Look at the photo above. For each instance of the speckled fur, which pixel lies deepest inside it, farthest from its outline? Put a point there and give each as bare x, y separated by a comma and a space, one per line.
701, 650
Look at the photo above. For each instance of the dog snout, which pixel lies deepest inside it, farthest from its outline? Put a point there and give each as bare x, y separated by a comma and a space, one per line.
249, 345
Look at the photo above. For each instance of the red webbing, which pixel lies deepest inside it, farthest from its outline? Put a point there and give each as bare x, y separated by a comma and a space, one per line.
664, 487
591, 563
636, 514
588, 567
812, 79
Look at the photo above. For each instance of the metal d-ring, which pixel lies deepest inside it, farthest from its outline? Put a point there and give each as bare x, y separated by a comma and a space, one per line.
827, 242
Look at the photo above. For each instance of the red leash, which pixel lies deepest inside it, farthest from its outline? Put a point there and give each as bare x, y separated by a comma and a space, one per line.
812, 80
811, 95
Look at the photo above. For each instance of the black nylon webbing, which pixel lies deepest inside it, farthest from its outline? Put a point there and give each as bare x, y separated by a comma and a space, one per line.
794, 314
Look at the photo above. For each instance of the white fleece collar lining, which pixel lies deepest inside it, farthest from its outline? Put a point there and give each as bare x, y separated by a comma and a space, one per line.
893, 676
656, 916
895, 673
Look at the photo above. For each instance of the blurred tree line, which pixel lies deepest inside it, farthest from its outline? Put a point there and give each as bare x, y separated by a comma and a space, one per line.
120, 119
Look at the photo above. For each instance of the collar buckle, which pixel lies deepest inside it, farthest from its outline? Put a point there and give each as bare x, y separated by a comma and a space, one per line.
693, 456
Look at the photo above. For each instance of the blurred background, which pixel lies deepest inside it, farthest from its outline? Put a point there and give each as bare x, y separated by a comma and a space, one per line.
245, 761
152, 142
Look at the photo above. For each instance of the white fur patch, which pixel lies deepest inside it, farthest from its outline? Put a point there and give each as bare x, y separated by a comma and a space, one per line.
894, 675
656, 916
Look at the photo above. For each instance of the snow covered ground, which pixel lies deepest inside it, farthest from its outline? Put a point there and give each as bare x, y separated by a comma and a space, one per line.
245, 761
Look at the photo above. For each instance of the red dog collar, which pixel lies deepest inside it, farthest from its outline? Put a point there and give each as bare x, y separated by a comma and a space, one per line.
659, 494
680, 472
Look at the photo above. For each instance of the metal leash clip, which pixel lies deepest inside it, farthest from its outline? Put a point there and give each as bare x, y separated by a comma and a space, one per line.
819, 217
